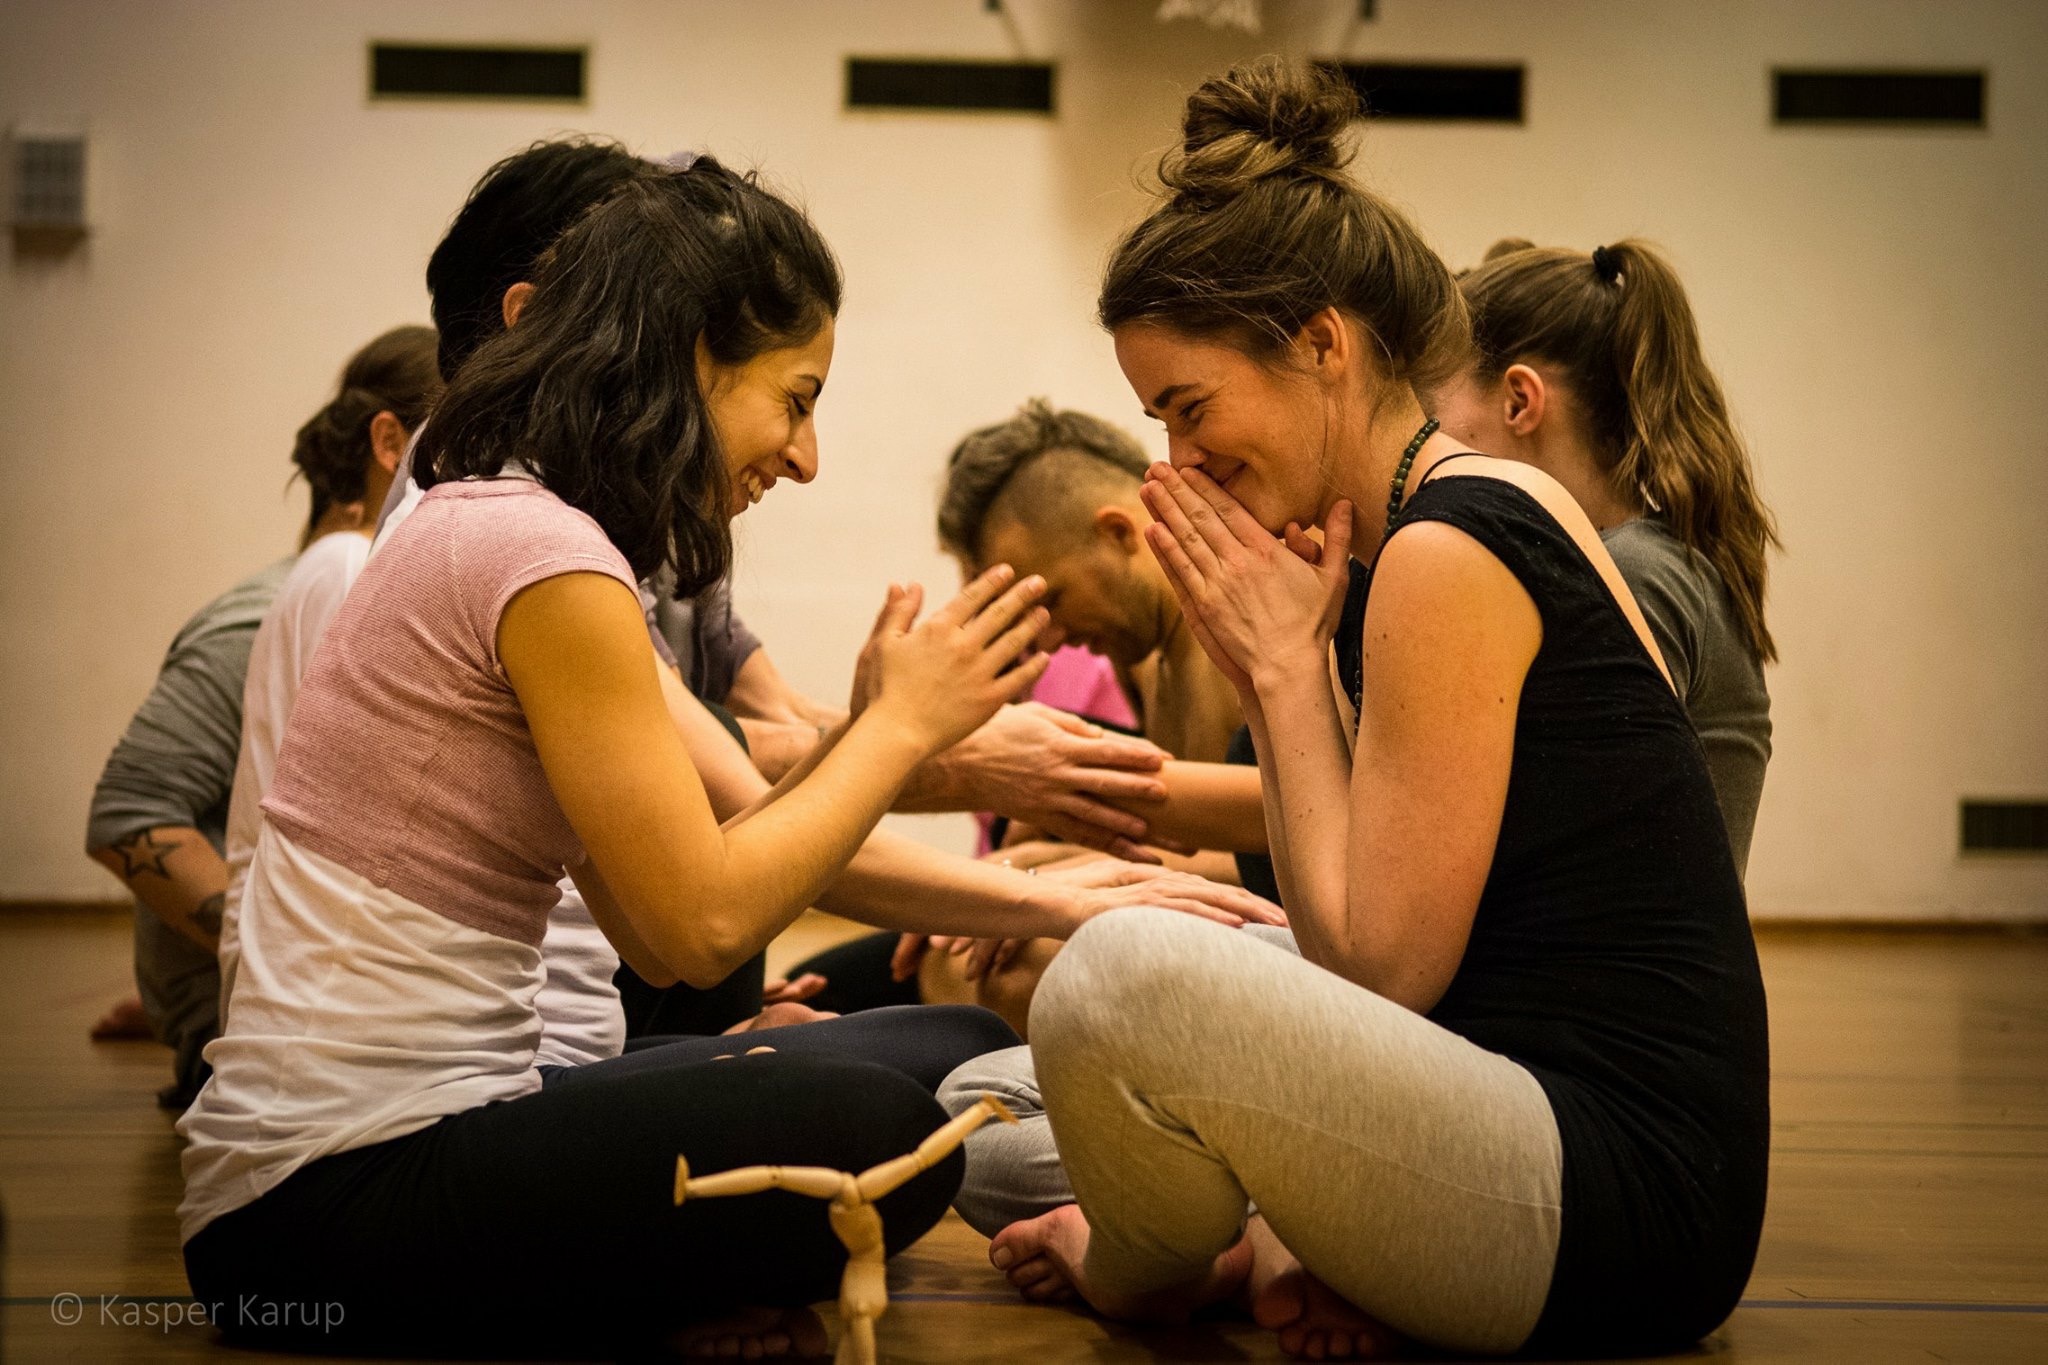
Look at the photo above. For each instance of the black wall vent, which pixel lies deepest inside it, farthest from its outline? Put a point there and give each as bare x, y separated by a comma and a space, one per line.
877, 83
410, 71
1432, 91
2005, 826
1940, 99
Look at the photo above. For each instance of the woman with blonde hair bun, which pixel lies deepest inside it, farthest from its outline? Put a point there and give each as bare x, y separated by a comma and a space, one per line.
1512, 1091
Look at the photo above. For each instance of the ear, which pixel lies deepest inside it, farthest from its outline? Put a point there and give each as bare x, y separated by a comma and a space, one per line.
1527, 399
1120, 528
514, 303
1324, 342
388, 438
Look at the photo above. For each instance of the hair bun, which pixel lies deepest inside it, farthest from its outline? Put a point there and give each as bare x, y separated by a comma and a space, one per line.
1261, 119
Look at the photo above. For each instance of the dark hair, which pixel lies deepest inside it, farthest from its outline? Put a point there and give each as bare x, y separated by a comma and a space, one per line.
990, 464
395, 374
1617, 326
595, 390
1261, 230
513, 215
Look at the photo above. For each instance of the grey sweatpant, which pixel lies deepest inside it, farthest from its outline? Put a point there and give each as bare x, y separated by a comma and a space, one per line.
1189, 1074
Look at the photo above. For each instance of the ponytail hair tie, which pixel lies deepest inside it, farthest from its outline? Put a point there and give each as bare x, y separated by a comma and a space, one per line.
1606, 265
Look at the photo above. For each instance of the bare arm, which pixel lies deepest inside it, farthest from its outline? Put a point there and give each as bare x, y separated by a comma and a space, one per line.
702, 898
1386, 860
1209, 806
175, 873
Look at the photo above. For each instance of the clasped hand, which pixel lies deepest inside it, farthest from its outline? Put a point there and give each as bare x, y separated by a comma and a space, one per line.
1255, 601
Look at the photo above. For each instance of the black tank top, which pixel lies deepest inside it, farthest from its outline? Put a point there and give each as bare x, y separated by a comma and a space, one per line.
1611, 954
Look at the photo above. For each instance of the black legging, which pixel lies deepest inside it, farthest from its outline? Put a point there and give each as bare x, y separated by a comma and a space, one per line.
925, 1044
546, 1225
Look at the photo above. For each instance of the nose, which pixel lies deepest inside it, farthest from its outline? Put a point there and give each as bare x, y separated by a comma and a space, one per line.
800, 456
1182, 453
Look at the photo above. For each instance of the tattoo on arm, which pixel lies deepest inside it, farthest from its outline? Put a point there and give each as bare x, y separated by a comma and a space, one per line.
146, 853
207, 914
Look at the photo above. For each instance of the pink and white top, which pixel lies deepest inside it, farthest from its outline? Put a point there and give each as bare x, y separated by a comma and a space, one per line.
407, 864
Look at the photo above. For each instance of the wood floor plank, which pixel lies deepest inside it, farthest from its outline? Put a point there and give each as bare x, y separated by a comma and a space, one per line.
1910, 1169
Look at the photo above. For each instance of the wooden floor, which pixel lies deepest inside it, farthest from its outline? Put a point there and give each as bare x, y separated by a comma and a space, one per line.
1909, 1182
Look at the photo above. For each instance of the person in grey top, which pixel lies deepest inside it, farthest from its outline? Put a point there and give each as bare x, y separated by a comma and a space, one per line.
1589, 366
160, 812
159, 819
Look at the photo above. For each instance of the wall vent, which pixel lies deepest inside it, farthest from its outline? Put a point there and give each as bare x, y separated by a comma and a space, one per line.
1907, 99
1436, 92
2005, 826
1013, 87
414, 71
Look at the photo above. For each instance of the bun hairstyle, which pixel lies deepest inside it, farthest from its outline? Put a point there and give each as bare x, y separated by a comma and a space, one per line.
1616, 324
396, 373
596, 389
1261, 229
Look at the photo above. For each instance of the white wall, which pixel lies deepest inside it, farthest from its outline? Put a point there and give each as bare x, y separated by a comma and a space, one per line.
1874, 300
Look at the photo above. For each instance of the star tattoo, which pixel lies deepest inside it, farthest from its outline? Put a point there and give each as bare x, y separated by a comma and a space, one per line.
146, 853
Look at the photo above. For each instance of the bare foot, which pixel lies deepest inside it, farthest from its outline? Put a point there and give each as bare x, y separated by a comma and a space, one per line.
755, 1334
1314, 1321
123, 1019
1044, 1256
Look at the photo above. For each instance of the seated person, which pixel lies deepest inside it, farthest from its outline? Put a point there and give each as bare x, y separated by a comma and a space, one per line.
1510, 1092
160, 812
476, 277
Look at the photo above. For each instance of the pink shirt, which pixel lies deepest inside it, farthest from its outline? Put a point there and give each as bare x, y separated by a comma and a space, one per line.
408, 761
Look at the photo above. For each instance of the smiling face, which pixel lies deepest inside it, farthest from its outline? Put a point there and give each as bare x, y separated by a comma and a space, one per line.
761, 410
1259, 430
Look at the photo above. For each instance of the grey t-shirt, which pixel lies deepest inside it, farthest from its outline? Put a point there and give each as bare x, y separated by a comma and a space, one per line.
1718, 678
175, 765
707, 637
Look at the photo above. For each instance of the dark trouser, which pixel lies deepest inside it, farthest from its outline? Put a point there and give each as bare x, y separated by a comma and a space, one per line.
857, 976
657, 1011
546, 1224
924, 1044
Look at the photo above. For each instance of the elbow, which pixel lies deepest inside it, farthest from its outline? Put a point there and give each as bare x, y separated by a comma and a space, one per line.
709, 958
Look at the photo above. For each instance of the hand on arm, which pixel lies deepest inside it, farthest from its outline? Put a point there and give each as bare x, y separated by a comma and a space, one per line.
175, 873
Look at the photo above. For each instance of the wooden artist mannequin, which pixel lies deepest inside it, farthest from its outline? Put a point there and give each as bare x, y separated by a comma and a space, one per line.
864, 1288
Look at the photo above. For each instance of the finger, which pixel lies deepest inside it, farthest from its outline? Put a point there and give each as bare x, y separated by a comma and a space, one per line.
1173, 510
1118, 751
903, 963
1025, 675
1130, 852
1114, 784
1009, 613
1066, 720
976, 595
1014, 643
1106, 822
1228, 511
1006, 953
959, 947
1187, 580
805, 986
1198, 909
1235, 899
899, 610
1305, 549
1175, 846
1337, 529
982, 959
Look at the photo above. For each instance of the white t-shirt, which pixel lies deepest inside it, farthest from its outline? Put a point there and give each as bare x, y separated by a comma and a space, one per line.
581, 1017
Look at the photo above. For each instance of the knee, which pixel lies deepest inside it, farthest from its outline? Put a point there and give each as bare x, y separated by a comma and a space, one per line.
1007, 1075
970, 1030
1131, 981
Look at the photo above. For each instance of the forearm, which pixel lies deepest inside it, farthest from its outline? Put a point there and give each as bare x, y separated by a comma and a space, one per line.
1305, 779
896, 882
1208, 805
175, 873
